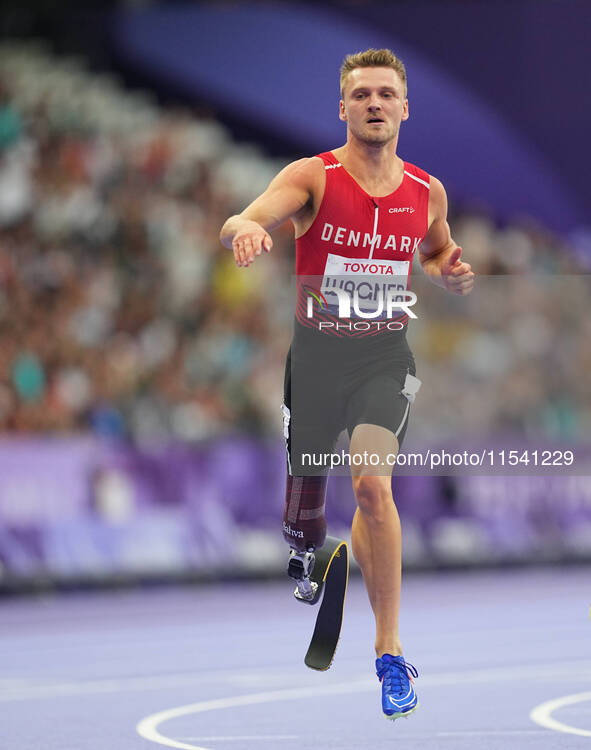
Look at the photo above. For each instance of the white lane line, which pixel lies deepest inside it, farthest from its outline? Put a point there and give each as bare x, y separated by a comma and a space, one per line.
241, 737
542, 714
98, 687
148, 727
486, 733
23, 690
470, 733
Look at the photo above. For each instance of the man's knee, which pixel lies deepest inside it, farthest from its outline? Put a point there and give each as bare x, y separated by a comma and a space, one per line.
373, 494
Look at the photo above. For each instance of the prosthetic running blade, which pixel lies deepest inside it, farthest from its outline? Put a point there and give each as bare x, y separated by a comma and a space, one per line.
329, 575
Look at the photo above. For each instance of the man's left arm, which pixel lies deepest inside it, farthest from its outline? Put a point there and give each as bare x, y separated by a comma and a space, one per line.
438, 253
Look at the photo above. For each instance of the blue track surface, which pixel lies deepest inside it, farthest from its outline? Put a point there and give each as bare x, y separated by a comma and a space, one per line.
80, 671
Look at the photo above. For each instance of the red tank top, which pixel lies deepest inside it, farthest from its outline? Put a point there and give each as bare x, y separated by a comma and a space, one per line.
359, 242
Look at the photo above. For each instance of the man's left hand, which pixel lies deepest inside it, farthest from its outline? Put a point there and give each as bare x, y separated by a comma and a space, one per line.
457, 276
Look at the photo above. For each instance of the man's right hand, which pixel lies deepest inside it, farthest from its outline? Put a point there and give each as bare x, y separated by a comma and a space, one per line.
249, 241
286, 197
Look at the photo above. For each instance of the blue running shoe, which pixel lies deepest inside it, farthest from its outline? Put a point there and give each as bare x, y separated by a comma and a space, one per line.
398, 693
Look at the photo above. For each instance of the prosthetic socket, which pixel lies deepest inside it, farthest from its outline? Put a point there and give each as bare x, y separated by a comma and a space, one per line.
304, 528
304, 522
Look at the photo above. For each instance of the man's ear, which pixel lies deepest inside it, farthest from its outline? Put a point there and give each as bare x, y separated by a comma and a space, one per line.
342, 113
405, 111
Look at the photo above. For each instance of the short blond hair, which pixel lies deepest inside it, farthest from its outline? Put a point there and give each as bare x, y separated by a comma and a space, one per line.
373, 58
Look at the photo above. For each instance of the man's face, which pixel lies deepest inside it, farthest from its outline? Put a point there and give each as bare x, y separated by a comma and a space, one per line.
373, 104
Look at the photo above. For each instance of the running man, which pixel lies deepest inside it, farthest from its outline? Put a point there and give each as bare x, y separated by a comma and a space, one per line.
359, 206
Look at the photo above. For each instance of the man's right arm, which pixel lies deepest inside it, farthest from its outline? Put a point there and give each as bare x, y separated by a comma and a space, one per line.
247, 234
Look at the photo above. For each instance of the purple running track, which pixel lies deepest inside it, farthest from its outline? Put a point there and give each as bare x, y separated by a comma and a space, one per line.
80, 671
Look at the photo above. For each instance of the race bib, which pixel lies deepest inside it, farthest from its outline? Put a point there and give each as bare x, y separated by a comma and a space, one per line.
369, 285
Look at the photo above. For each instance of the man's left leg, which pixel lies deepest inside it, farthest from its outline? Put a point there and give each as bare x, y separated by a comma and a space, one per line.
376, 541
376, 537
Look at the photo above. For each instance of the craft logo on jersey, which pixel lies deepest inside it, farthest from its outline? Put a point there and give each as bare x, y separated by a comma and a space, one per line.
402, 210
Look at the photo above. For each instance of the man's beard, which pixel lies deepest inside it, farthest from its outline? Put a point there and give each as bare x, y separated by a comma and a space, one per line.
375, 138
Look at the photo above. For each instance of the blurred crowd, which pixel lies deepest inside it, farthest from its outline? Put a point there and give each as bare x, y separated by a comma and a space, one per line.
122, 315
511, 358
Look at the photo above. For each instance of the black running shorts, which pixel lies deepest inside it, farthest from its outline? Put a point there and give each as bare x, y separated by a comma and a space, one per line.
334, 385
